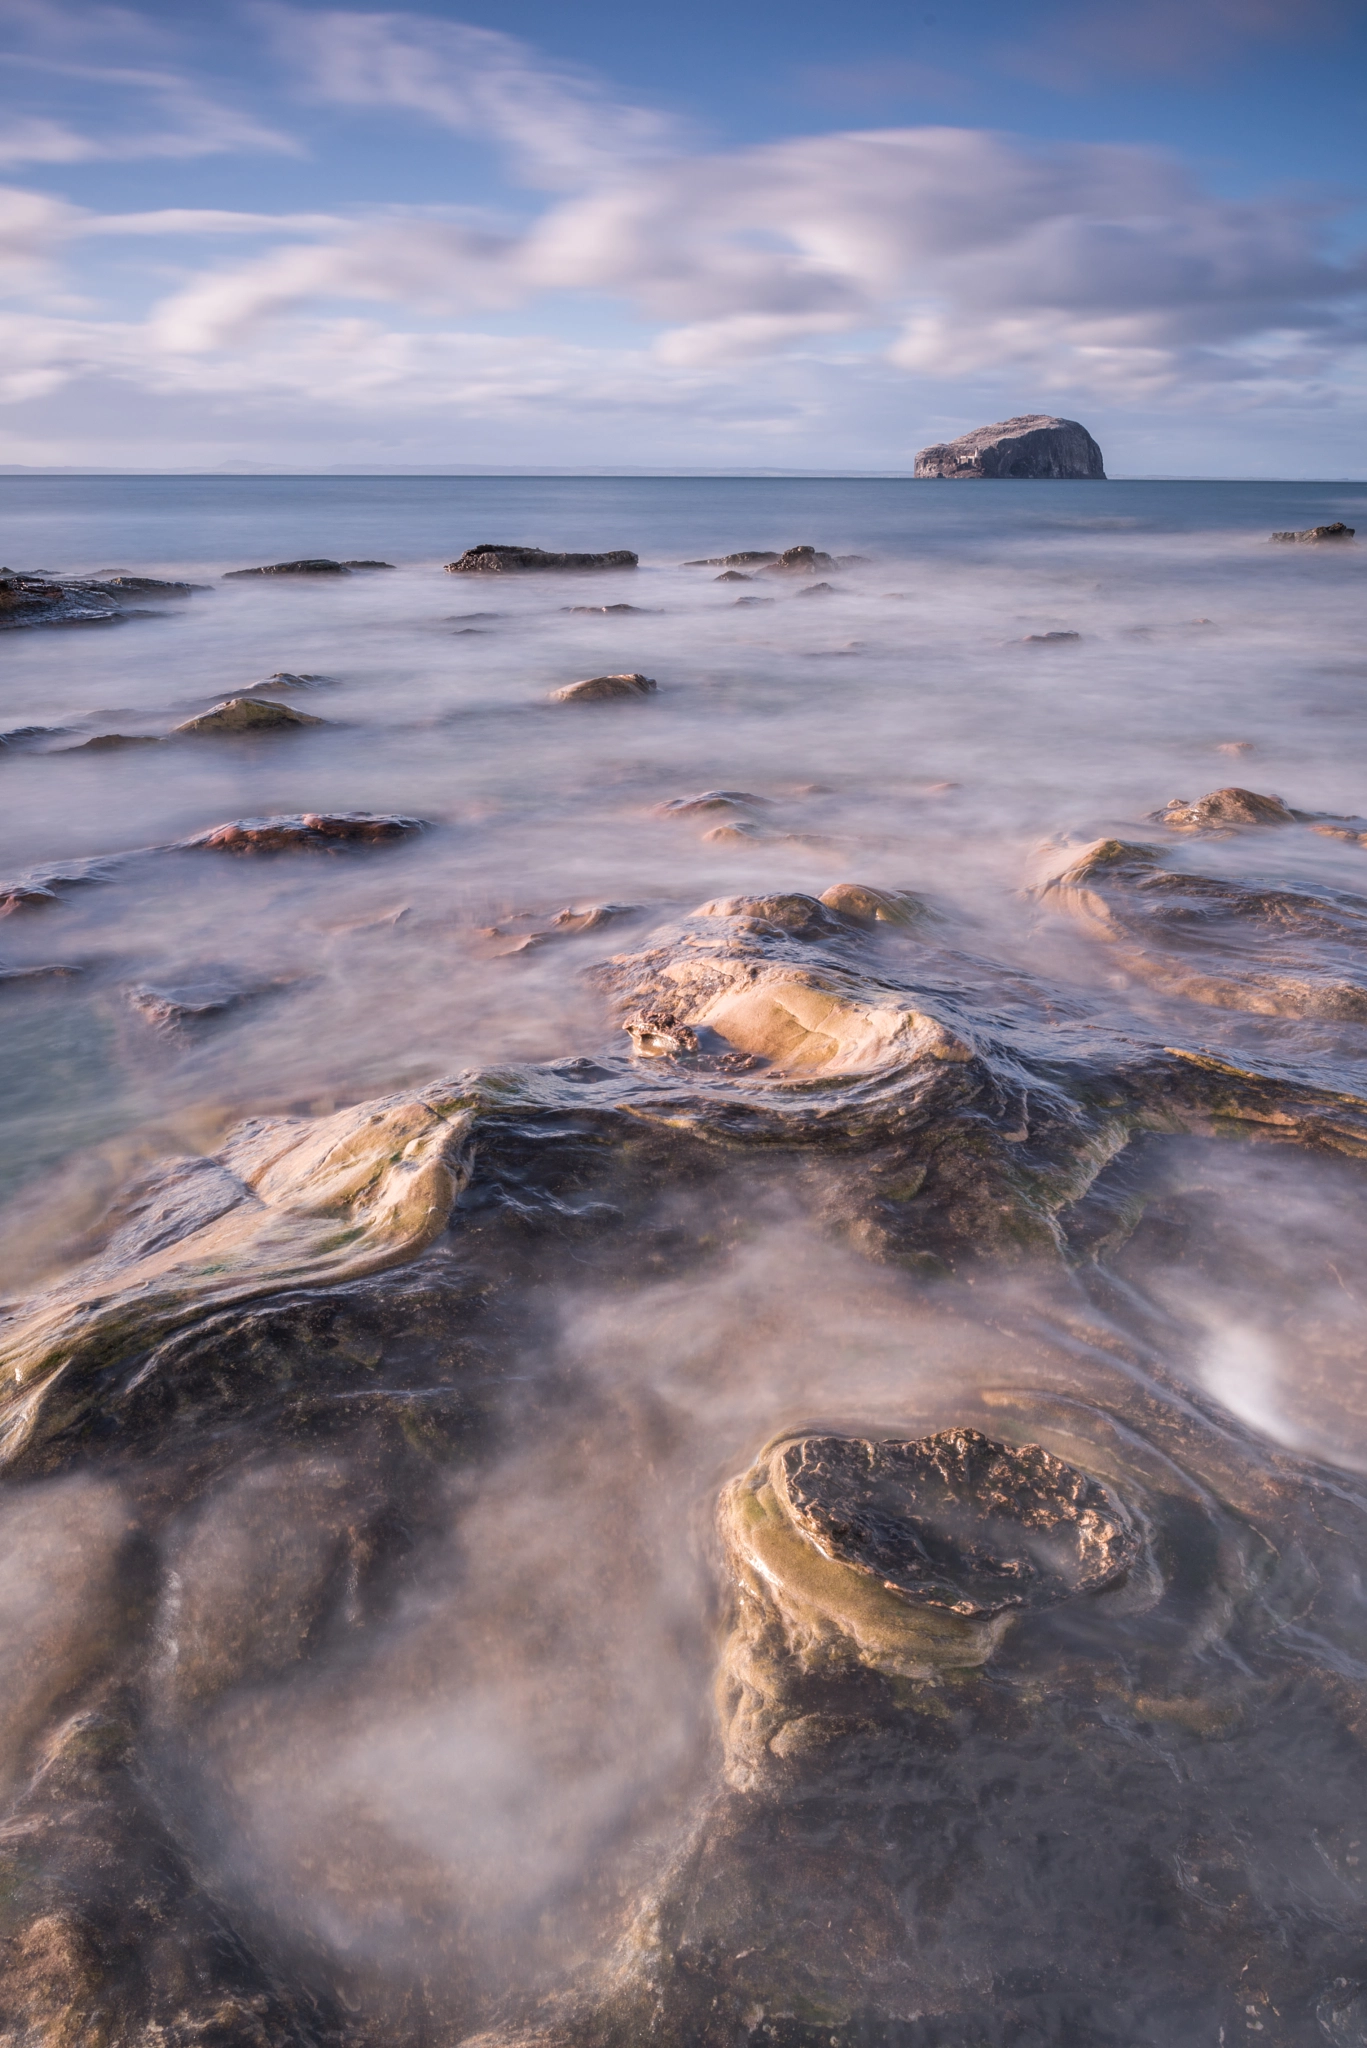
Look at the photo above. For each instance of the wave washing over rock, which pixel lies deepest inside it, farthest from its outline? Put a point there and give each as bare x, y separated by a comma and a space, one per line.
614, 1434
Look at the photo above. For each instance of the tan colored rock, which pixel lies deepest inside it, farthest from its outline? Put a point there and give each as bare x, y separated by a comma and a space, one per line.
309, 831
863, 904
288, 1201
247, 714
1224, 810
604, 689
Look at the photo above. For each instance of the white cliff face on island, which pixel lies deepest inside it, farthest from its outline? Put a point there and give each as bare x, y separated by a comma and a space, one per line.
1035, 444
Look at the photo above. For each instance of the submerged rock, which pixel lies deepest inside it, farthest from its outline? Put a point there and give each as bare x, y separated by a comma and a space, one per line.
167, 1008
865, 905
710, 800
1032, 445
247, 714
733, 576
1048, 637
491, 558
743, 559
601, 610
1335, 531
325, 831
1225, 810
603, 689
114, 742
314, 565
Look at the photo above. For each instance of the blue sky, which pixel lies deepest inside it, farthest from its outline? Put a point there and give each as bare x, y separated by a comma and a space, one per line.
601, 235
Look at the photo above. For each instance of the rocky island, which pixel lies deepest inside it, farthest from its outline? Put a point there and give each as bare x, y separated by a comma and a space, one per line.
1033, 445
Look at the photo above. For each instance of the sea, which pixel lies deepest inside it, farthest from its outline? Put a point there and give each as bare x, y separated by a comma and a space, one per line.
984, 681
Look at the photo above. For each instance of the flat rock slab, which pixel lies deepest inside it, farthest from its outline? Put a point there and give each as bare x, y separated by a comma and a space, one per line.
1033, 445
247, 714
957, 1521
325, 831
602, 689
493, 558
315, 565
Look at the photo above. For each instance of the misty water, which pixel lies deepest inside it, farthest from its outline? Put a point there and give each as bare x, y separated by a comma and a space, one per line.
385, 1662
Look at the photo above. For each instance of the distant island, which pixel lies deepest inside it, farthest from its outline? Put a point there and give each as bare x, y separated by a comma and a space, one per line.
1033, 445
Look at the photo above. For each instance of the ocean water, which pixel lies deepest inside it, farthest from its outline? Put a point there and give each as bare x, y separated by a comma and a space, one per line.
441, 1819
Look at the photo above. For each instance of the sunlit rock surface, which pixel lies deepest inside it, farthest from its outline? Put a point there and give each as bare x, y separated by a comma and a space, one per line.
1034, 445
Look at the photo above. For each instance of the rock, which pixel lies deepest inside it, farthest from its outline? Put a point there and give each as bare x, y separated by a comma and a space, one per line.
286, 1202
317, 565
736, 561
603, 689
247, 714
114, 742
1046, 637
605, 609
867, 906
367, 565
19, 897
22, 737
756, 600
799, 562
167, 1009
659, 1033
733, 835
37, 601
818, 590
562, 924
491, 558
325, 831
284, 679
1224, 810
733, 576
148, 586
1336, 531
710, 800
1034, 444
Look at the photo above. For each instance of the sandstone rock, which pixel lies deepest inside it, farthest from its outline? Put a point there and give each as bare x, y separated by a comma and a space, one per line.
247, 714
867, 906
491, 558
1224, 810
735, 834
21, 897
286, 1202
604, 689
285, 679
659, 1033
312, 831
709, 800
316, 565
1031, 445
1336, 531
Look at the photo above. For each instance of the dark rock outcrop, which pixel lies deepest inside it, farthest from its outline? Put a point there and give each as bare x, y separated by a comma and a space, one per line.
804, 561
745, 559
314, 565
247, 714
1335, 531
41, 601
1033, 445
602, 689
497, 558
317, 831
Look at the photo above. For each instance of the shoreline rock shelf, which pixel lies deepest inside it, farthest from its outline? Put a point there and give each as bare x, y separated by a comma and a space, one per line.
500, 558
1336, 530
1032, 446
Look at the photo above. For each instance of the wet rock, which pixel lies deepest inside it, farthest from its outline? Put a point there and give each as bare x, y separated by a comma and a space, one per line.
659, 1033
114, 742
803, 561
309, 831
1274, 952
286, 1202
1031, 445
23, 737
607, 610
245, 715
20, 897
563, 924
285, 679
1049, 637
367, 565
865, 905
736, 561
756, 600
1225, 810
147, 586
605, 689
53, 971
169, 1008
38, 601
739, 833
491, 558
818, 590
1335, 531
733, 576
710, 800
314, 565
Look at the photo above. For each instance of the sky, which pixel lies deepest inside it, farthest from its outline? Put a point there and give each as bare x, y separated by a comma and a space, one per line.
593, 235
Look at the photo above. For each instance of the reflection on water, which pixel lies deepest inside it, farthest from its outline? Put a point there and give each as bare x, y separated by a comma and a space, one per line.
384, 1666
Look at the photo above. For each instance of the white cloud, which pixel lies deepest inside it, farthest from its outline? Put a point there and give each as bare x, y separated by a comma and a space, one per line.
938, 252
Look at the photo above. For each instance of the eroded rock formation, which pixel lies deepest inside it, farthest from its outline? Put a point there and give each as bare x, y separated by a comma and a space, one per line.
490, 558
1033, 445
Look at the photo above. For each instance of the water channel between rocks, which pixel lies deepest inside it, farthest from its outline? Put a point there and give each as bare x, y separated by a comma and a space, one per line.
684, 1366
